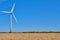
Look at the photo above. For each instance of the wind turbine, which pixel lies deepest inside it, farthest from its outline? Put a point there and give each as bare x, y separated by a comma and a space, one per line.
11, 14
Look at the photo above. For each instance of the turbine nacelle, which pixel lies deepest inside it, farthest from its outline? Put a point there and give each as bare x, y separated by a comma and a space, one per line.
11, 13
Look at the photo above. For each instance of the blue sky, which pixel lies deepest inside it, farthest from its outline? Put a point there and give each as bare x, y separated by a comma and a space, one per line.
32, 15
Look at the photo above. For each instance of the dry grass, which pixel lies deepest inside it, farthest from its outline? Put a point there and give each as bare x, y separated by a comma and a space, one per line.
29, 36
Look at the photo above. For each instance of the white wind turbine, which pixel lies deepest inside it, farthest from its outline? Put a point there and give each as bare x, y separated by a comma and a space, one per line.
11, 14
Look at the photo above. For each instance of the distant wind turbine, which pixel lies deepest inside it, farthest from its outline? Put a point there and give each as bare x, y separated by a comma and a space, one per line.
11, 14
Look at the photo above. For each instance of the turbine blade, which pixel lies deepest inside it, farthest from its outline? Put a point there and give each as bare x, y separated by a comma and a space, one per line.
13, 7
5, 11
15, 18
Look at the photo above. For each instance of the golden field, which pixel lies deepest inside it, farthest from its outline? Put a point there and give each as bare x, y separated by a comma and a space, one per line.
29, 36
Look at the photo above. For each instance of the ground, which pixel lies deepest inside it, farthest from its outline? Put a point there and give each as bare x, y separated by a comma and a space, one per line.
29, 36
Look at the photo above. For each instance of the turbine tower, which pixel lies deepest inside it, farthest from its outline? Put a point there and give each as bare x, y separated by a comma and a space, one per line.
11, 14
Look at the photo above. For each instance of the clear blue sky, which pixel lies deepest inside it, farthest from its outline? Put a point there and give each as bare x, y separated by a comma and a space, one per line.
32, 15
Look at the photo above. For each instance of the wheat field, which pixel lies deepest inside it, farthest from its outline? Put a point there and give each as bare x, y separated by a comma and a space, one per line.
29, 36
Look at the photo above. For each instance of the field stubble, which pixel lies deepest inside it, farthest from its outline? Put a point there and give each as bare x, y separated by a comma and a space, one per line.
29, 36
